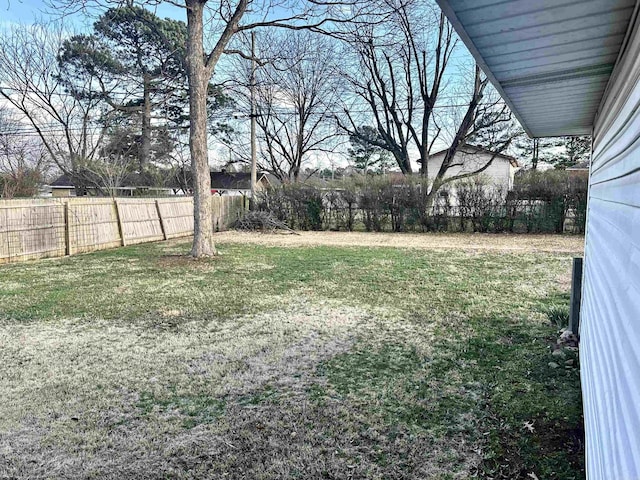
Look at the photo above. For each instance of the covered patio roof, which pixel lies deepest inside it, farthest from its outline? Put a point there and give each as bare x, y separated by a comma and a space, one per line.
551, 60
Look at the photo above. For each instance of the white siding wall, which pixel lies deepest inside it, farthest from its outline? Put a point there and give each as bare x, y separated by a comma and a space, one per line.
610, 330
500, 171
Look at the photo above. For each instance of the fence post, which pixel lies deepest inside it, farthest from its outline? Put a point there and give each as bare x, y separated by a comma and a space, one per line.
162, 225
576, 295
67, 230
119, 218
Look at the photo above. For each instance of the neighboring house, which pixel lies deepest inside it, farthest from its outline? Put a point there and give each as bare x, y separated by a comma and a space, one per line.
237, 183
569, 67
544, 166
579, 170
500, 173
222, 183
62, 187
132, 185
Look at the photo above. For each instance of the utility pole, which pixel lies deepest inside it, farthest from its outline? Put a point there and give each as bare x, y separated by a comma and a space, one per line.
254, 154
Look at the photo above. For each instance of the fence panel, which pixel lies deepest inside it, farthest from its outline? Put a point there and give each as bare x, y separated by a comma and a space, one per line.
139, 220
226, 210
31, 229
93, 225
38, 228
177, 217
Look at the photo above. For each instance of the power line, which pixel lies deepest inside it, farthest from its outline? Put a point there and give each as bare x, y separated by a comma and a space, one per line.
278, 111
33, 132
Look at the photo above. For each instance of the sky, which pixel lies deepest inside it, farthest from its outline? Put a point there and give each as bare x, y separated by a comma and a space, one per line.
19, 11
30, 11
27, 12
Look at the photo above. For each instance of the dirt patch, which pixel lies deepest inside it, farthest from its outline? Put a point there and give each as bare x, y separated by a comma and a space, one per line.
468, 242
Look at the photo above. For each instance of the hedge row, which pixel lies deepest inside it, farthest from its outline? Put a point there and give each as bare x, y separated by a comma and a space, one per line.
550, 202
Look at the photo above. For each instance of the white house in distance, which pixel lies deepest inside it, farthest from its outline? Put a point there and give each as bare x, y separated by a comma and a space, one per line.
569, 67
500, 173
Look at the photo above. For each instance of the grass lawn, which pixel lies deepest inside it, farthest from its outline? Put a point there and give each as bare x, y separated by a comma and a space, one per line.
321, 356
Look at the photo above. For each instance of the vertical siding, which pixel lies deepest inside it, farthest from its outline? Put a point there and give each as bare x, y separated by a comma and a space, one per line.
610, 331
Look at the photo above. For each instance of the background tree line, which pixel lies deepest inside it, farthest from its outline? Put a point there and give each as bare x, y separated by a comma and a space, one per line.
380, 82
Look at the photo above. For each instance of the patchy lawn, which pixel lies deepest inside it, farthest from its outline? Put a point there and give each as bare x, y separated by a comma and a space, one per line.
313, 356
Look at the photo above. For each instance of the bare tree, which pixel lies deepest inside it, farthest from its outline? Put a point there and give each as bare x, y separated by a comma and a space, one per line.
313, 15
401, 74
403, 84
486, 123
23, 159
296, 93
32, 85
117, 163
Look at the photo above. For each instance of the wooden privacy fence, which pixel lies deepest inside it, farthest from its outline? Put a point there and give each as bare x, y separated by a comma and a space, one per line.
39, 228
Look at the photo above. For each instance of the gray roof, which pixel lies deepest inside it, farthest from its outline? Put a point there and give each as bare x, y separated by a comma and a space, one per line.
233, 180
549, 59
468, 149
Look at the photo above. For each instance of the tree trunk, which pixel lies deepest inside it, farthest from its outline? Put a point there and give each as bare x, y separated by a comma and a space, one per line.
198, 80
145, 150
403, 161
424, 149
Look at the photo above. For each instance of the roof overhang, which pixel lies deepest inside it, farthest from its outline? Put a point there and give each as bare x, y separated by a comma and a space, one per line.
551, 60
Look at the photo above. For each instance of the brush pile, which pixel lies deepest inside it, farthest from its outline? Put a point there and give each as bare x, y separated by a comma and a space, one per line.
264, 222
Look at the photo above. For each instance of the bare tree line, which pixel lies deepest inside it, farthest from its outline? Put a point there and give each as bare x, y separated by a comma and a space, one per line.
327, 69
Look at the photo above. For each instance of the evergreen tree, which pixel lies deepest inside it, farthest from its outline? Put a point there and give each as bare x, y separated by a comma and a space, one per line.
137, 60
367, 156
571, 151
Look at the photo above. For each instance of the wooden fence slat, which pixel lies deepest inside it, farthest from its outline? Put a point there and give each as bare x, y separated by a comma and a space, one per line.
38, 228
120, 229
67, 233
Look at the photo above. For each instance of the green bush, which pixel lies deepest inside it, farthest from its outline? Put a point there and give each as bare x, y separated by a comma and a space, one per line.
559, 316
545, 200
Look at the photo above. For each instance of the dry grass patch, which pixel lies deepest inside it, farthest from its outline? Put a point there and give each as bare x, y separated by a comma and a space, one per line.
274, 362
229, 398
468, 242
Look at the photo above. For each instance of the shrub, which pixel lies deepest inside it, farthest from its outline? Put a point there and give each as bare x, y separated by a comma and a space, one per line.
482, 204
539, 202
20, 183
299, 206
559, 316
342, 205
545, 200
